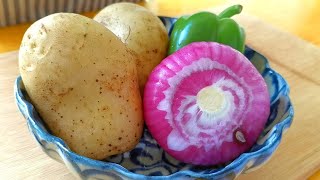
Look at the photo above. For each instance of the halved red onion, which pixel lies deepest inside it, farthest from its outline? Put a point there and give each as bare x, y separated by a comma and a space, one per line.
206, 104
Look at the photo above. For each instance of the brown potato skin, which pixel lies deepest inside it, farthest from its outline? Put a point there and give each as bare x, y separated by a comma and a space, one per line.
141, 30
83, 82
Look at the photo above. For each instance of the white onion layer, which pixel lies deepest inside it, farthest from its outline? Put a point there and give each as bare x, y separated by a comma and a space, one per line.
217, 125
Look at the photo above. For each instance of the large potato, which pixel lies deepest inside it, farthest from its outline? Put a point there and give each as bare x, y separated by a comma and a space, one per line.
83, 82
141, 30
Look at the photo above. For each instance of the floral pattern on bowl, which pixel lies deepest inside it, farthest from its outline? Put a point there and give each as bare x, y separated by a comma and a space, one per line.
148, 160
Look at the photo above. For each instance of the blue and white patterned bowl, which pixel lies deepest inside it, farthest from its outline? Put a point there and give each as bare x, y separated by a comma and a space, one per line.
147, 160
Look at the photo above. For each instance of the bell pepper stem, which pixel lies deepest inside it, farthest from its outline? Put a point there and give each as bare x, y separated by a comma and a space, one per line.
231, 11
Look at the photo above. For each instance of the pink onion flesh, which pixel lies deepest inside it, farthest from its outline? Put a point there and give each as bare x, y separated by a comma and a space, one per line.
206, 104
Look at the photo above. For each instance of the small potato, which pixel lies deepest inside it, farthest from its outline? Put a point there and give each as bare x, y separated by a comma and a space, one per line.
141, 30
83, 82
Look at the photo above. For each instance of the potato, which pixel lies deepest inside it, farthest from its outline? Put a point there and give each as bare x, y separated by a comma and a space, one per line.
83, 82
141, 30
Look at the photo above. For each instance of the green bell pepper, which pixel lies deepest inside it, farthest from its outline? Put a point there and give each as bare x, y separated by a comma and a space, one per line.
206, 26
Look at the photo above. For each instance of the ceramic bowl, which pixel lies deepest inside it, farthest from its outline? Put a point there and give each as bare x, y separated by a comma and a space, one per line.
148, 160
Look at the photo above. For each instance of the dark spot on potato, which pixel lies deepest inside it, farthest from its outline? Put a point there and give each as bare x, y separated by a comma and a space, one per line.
102, 74
102, 129
109, 150
61, 116
33, 45
155, 50
110, 145
119, 138
43, 28
85, 35
100, 92
71, 135
97, 80
66, 31
29, 36
100, 144
76, 107
94, 62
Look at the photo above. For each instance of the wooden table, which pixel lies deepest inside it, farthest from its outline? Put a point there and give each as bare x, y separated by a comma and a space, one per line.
298, 156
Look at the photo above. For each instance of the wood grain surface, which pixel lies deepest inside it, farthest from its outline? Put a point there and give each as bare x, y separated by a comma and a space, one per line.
297, 157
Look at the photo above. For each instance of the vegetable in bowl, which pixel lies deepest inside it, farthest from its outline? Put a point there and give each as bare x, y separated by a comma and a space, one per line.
206, 104
141, 31
84, 92
208, 27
